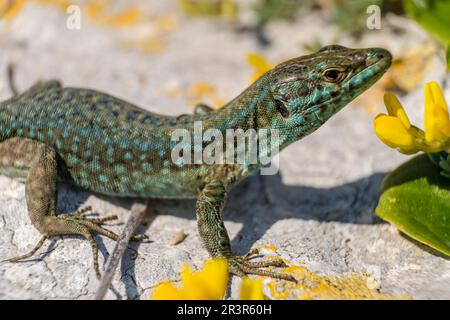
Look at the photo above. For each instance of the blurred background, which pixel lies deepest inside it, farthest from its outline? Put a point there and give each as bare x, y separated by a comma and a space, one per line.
179, 52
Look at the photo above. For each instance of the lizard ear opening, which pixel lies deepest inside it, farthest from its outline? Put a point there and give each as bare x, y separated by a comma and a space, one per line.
281, 107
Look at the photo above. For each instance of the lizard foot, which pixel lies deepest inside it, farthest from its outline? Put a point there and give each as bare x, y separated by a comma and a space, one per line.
95, 224
241, 266
78, 223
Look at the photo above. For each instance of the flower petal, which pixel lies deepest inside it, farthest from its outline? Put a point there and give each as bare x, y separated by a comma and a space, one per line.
192, 286
395, 109
210, 283
436, 94
393, 133
258, 62
436, 119
251, 289
215, 272
166, 291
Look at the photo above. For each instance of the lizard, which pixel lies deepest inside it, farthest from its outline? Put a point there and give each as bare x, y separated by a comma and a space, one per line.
106, 145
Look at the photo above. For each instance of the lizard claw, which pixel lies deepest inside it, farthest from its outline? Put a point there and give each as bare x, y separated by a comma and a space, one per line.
88, 225
78, 223
241, 266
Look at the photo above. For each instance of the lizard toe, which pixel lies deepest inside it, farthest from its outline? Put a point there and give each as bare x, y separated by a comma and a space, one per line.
240, 266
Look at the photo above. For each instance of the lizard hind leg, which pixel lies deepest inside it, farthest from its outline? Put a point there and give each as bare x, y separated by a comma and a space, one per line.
199, 110
44, 85
41, 195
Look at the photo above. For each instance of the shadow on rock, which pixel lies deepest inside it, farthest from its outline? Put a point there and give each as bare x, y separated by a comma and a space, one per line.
258, 203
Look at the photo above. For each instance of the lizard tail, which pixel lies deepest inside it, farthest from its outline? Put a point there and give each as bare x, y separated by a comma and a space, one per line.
11, 72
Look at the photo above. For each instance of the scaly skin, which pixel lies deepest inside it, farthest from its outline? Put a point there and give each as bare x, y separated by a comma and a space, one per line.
103, 144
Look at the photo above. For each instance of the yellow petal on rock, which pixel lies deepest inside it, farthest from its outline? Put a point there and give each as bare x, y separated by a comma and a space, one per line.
166, 291
251, 289
128, 17
210, 283
395, 109
393, 133
255, 77
215, 273
191, 287
258, 62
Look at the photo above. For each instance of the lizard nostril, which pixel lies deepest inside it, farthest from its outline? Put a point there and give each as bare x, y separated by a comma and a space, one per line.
382, 54
376, 55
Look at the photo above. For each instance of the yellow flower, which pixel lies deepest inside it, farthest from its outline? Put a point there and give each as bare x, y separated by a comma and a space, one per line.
251, 289
210, 283
437, 121
396, 131
393, 133
259, 63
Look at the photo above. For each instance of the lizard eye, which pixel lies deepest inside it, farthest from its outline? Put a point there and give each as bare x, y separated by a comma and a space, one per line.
333, 75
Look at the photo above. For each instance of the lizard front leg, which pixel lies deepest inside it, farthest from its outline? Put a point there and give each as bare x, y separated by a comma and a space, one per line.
215, 238
41, 195
201, 109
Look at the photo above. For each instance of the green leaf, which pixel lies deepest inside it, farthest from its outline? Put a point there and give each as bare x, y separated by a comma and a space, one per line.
432, 15
416, 199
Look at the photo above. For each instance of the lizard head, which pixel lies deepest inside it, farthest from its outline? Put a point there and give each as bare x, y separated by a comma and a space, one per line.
308, 90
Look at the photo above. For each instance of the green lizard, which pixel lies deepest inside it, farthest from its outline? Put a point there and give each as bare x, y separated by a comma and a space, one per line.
103, 144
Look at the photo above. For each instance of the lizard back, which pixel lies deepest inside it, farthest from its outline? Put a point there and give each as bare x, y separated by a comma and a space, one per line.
104, 144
